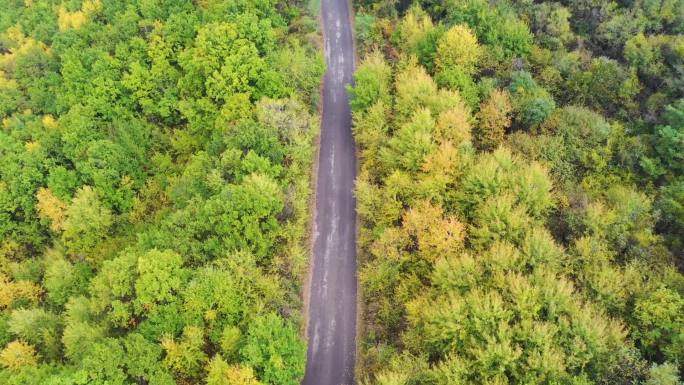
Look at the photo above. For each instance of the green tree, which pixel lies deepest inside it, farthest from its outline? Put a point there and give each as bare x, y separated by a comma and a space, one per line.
497, 27
39, 328
142, 359
103, 363
112, 172
413, 28
114, 282
457, 78
605, 85
63, 279
248, 218
669, 139
532, 103
552, 25
411, 143
226, 59
583, 136
160, 276
301, 69
659, 323
372, 82
671, 206
79, 337
225, 293
273, 348
22, 173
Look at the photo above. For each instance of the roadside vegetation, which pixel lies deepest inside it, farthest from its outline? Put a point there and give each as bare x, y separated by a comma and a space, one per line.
521, 192
155, 162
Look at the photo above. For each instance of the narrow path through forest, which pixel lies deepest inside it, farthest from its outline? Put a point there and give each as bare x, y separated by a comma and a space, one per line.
332, 301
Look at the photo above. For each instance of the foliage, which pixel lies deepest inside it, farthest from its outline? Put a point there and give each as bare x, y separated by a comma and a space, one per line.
525, 225
87, 222
371, 83
494, 119
458, 47
272, 347
155, 163
185, 356
220, 373
17, 354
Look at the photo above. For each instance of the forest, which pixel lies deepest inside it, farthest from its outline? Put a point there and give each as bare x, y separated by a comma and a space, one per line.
521, 191
155, 178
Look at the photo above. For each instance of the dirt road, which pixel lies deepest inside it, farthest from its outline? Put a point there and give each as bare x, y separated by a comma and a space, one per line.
332, 301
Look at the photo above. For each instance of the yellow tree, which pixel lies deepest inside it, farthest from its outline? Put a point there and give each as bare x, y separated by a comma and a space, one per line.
458, 47
494, 118
186, 356
50, 207
439, 170
67, 20
220, 373
434, 235
454, 125
18, 354
11, 291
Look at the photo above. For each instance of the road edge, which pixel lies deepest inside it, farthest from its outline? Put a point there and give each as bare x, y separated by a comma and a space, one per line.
360, 308
311, 236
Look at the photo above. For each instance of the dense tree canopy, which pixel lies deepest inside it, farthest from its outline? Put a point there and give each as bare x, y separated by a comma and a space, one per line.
520, 192
154, 184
